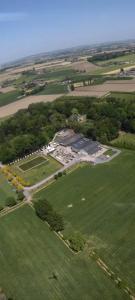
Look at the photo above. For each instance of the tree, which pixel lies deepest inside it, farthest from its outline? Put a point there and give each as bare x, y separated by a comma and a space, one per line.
46, 213
55, 221
75, 111
43, 208
20, 196
77, 241
1, 207
60, 174
10, 201
72, 87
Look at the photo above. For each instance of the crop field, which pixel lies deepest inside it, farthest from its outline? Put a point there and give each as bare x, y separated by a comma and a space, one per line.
122, 96
36, 171
38, 66
33, 163
12, 108
54, 89
7, 76
84, 66
100, 90
7, 89
99, 201
125, 140
31, 253
125, 61
58, 74
10, 97
6, 190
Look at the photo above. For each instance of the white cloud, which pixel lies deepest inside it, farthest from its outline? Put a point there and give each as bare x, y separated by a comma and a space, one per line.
9, 17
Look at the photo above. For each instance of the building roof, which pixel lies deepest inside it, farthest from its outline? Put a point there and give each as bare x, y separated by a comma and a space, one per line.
78, 142
86, 145
92, 148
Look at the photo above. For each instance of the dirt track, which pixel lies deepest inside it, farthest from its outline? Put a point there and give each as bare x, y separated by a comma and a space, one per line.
12, 108
103, 89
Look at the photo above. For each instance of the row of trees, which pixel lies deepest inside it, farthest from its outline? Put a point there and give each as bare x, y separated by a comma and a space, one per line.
46, 213
30, 129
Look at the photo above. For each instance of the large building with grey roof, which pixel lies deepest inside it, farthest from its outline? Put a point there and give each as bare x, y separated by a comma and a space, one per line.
78, 142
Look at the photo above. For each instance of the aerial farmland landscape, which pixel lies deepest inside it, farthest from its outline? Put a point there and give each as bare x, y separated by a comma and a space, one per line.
67, 150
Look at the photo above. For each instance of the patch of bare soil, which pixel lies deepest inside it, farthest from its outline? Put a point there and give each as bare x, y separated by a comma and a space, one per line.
84, 66
7, 76
7, 89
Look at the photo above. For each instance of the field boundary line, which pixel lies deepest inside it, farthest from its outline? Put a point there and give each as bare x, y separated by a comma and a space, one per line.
12, 209
112, 275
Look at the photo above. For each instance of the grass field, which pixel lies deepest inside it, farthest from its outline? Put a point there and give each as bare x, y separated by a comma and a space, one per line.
54, 89
60, 74
107, 215
33, 163
6, 190
9, 97
36, 174
125, 140
30, 253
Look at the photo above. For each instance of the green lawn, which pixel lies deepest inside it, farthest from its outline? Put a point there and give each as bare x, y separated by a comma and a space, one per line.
125, 140
107, 212
6, 190
9, 97
30, 253
38, 173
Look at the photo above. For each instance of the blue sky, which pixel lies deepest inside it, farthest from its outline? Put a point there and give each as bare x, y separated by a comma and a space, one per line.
33, 26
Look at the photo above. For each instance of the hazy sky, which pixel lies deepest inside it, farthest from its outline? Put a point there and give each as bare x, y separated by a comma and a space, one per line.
33, 26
